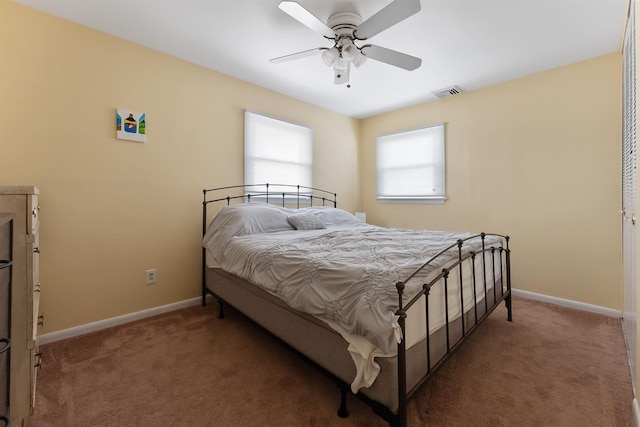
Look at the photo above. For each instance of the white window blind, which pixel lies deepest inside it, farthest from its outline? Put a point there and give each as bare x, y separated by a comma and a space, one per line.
276, 152
629, 118
410, 165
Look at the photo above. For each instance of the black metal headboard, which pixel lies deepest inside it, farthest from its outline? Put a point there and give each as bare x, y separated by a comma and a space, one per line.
283, 194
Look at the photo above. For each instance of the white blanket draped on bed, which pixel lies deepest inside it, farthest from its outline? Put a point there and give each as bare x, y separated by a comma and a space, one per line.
344, 274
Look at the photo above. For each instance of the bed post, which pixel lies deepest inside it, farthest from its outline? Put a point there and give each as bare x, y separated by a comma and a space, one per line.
507, 300
343, 412
460, 243
402, 361
204, 230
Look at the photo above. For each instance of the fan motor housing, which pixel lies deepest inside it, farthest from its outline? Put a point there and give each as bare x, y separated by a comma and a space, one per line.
344, 23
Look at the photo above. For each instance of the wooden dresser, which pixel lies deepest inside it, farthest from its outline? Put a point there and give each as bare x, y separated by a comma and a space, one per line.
22, 204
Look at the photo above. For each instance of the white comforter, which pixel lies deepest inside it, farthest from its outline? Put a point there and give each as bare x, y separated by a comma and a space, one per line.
344, 275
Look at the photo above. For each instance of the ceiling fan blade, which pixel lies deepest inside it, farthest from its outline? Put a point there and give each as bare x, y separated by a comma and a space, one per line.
391, 57
297, 55
296, 11
342, 77
396, 11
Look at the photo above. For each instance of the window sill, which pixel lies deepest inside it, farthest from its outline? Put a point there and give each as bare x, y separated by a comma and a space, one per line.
413, 200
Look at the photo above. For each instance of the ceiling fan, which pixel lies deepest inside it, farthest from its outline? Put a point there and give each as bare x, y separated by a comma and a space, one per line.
345, 29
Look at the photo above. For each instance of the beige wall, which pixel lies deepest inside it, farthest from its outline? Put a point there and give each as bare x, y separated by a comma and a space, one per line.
110, 208
537, 158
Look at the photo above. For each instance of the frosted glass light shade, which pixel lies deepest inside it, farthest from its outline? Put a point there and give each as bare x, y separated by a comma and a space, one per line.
359, 59
341, 64
349, 51
330, 55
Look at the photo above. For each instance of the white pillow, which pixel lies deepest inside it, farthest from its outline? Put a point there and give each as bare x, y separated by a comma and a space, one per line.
306, 222
332, 217
248, 218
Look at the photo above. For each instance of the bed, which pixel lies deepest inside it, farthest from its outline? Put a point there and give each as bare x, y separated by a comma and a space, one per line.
377, 309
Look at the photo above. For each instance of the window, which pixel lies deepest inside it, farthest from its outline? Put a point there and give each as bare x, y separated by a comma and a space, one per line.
410, 166
276, 152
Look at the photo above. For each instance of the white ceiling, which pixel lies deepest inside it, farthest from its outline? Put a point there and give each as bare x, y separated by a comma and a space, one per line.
468, 43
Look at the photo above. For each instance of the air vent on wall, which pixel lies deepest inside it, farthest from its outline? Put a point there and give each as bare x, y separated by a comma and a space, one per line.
447, 92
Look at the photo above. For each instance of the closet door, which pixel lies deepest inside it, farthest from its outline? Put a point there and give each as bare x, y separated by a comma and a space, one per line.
629, 189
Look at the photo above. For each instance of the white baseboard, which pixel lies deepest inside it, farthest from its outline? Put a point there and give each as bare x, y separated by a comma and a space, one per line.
113, 321
126, 318
568, 303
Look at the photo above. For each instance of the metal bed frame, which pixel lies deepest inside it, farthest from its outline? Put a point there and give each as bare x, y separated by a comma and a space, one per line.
301, 196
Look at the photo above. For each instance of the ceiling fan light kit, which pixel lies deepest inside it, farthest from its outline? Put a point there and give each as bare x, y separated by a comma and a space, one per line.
345, 29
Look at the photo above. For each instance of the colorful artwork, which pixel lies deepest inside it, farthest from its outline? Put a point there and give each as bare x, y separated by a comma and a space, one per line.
131, 125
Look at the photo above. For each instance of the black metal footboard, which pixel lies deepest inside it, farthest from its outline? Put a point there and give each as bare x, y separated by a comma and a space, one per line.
494, 286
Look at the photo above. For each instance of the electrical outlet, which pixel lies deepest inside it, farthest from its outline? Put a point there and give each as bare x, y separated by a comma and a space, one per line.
151, 277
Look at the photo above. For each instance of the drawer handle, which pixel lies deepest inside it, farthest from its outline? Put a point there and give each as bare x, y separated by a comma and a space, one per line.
41, 320
7, 344
38, 359
5, 420
4, 263
36, 250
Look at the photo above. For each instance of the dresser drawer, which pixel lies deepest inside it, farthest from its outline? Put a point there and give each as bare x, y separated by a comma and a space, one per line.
36, 319
4, 378
32, 311
33, 281
5, 302
33, 259
33, 214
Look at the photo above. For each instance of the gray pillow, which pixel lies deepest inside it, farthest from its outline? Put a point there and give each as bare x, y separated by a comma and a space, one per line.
305, 222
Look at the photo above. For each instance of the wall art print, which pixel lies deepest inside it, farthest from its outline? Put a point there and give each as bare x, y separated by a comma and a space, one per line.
131, 125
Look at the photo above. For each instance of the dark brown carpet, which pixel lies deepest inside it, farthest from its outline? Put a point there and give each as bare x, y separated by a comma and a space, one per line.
552, 366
